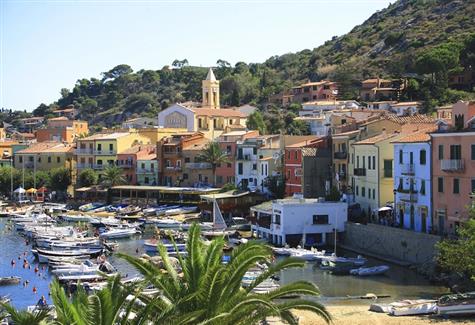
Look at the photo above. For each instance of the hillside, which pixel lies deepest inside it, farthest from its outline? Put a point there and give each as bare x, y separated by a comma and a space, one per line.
387, 44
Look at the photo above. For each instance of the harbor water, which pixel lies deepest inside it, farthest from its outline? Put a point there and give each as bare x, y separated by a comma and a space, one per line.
398, 282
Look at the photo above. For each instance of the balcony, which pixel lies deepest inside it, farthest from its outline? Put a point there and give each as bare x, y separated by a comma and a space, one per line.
173, 168
84, 151
247, 157
83, 166
408, 169
452, 165
408, 197
340, 155
125, 165
105, 152
359, 172
202, 165
99, 166
145, 171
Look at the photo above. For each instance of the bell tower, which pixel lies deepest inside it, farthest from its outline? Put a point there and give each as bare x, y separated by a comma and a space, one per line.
210, 91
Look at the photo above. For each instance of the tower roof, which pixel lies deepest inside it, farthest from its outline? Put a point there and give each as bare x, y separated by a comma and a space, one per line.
210, 76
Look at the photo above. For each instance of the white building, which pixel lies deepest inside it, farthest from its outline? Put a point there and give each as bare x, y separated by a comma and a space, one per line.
294, 221
405, 108
412, 181
139, 122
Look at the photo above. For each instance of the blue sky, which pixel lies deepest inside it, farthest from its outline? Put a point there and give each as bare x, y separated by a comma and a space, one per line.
48, 45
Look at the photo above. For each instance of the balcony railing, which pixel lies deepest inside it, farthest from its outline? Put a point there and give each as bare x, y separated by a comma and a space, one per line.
105, 152
452, 165
408, 197
201, 165
83, 166
408, 169
125, 165
359, 172
340, 155
145, 171
247, 157
175, 168
84, 151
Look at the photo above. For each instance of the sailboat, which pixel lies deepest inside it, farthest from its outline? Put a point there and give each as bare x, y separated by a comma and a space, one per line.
219, 225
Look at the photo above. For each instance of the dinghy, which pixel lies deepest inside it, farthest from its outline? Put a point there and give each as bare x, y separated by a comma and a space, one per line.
9, 280
366, 271
457, 304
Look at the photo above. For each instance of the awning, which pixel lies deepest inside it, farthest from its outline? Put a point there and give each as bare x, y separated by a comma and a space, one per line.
20, 190
31, 190
384, 209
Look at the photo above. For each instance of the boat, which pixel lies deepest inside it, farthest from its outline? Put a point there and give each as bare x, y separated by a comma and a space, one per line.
181, 210
90, 206
9, 280
413, 307
457, 304
219, 225
162, 210
203, 225
151, 246
76, 218
44, 255
119, 233
167, 223
366, 271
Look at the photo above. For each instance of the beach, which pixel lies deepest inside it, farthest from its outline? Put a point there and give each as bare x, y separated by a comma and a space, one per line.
360, 315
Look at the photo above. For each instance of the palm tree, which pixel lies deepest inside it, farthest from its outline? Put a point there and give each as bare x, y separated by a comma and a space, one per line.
113, 176
108, 306
23, 317
210, 292
213, 155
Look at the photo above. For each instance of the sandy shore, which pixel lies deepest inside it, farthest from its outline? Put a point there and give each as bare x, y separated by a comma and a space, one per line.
360, 315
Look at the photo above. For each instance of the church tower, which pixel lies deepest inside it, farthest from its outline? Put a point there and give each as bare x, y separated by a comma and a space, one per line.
210, 91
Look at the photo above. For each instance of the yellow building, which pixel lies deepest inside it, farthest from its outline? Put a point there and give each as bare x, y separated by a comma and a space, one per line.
100, 150
372, 179
156, 134
45, 156
208, 117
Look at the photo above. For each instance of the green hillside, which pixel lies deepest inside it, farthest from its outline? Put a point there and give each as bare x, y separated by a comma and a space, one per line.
426, 39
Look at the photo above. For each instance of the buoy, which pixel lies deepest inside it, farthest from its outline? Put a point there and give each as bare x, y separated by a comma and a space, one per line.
35, 290
13, 262
36, 269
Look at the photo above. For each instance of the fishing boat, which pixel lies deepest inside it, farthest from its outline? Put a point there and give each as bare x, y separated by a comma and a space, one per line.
44, 255
76, 218
181, 210
219, 225
110, 221
457, 304
90, 206
9, 280
367, 271
119, 233
151, 246
129, 210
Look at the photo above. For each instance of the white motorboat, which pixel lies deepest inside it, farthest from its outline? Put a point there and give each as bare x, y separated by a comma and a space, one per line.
44, 255
76, 218
167, 223
162, 210
119, 233
358, 261
366, 271
180, 210
151, 246
203, 225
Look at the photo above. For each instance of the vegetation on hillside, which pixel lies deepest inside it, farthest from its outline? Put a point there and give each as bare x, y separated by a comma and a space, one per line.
424, 40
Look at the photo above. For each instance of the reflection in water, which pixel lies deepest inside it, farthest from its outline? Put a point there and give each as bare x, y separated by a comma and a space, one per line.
398, 282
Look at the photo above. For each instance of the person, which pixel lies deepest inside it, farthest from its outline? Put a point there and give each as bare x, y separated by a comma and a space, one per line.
42, 302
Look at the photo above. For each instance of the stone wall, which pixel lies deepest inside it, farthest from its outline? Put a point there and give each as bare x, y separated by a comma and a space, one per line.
392, 243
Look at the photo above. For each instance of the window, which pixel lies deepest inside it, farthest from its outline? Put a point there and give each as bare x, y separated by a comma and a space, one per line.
295, 155
187, 159
353, 158
357, 161
455, 152
411, 158
400, 157
39, 159
178, 163
143, 165
320, 219
388, 168
229, 165
240, 169
58, 159
254, 151
99, 162
111, 147
363, 191
422, 157
440, 185
374, 162
423, 187
473, 185
374, 194
228, 150
219, 179
357, 190
99, 147
441, 151
185, 176
49, 160
146, 180
364, 162
369, 162
277, 219
254, 166
456, 186
30, 158
473, 151
20, 159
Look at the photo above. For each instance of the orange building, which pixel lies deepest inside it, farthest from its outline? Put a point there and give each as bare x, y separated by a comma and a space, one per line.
62, 129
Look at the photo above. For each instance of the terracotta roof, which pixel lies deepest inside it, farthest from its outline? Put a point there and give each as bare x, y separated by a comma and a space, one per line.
137, 149
223, 112
416, 137
106, 136
378, 138
61, 118
47, 147
304, 143
198, 145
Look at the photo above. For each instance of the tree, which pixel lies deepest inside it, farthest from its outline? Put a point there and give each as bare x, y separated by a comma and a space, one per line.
60, 179
438, 61
23, 317
178, 64
117, 71
113, 176
276, 185
87, 177
255, 121
213, 155
210, 292
334, 195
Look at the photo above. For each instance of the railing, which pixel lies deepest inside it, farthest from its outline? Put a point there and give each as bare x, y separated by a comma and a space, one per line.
84, 151
340, 155
105, 152
125, 165
82, 166
452, 165
177, 168
408, 197
145, 171
408, 169
99, 166
247, 157
359, 172
202, 165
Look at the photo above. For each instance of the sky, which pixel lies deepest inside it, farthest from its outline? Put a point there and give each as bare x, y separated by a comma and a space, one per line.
46, 45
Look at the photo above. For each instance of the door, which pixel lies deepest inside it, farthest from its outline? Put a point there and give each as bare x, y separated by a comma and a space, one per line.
423, 221
441, 217
412, 217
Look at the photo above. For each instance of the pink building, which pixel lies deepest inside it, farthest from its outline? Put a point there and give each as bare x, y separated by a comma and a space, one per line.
453, 169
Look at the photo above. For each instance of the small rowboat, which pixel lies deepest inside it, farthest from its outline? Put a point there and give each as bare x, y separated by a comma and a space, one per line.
9, 280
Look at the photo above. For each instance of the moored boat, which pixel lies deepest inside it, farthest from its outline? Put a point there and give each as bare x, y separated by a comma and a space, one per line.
457, 304
367, 271
9, 280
